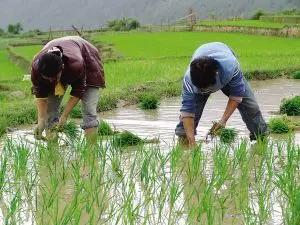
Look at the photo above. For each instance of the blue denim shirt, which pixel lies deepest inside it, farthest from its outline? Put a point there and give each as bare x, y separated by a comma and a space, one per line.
229, 74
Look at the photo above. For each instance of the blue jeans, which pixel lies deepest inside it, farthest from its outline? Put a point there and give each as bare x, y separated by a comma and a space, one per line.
89, 103
248, 109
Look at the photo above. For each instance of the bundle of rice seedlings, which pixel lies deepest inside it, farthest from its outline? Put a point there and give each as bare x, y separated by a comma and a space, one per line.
280, 125
291, 106
105, 129
71, 130
148, 101
126, 138
227, 135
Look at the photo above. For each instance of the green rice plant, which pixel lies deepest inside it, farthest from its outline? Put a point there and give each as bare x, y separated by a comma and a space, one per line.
126, 138
290, 106
70, 129
296, 75
76, 112
280, 125
105, 129
148, 101
227, 135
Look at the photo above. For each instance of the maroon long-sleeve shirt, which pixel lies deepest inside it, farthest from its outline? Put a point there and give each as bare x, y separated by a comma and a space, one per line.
82, 67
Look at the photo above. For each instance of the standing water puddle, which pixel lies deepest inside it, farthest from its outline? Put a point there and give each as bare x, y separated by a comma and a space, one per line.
159, 196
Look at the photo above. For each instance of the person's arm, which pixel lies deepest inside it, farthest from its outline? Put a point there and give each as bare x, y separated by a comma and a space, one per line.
230, 108
187, 111
189, 127
69, 106
42, 108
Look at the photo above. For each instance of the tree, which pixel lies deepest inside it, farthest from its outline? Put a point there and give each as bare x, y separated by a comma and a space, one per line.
258, 14
1, 31
14, 28
124, 24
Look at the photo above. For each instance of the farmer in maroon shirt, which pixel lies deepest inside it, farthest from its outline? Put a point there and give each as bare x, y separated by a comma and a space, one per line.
67, 61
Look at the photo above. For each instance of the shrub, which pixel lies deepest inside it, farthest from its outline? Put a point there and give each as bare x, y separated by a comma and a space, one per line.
124, 24
14, 28
258, 14
2, 32
280, 125
105, 129
126, 138
291, 106
149, 101
296, 75
227, 135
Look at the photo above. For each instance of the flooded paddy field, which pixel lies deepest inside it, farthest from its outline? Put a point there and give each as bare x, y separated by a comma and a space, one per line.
71, 183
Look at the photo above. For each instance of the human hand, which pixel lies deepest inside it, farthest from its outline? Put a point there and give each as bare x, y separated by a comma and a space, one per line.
38, 130
215, 128
61, 123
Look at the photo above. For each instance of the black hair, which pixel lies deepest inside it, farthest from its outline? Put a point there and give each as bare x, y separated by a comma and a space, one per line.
50, 64
203, 71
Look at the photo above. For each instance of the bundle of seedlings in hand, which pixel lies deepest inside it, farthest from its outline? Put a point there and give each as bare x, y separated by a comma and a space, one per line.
149, 101
105, 129
71, 130
76, 112
280, 125
227, 135
291, 106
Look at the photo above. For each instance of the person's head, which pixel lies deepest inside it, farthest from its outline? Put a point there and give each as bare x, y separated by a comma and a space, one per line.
50, 66
203, 72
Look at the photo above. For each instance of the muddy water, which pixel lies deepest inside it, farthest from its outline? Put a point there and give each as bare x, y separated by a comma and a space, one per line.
162, 122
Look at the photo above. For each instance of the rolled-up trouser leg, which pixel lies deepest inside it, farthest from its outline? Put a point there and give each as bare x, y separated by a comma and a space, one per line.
89, 104
200, 104
53, 110
250, 112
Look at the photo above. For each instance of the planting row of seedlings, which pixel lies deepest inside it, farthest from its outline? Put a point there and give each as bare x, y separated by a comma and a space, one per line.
113, 184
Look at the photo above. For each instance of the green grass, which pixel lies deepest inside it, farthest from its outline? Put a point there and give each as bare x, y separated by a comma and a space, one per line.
241, 23
9, 70
27, 52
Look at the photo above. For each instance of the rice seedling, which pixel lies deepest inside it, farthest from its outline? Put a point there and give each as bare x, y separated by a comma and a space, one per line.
76, 112
70, 129
290, 106
227, 135
280, 125
148, 101
105, 129
126, 138
296, 75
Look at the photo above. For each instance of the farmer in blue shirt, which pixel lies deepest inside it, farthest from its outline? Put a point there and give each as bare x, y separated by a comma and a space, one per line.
214, 67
